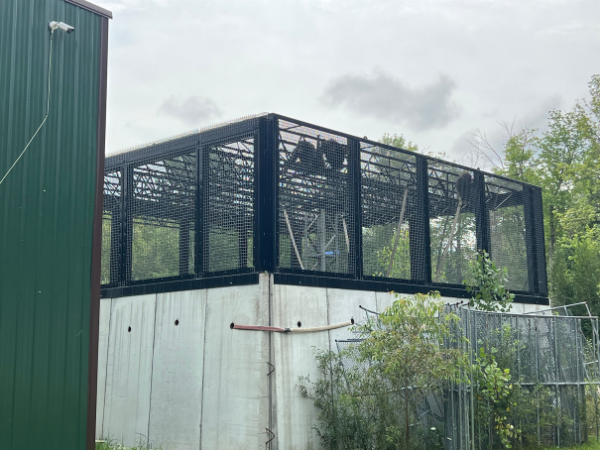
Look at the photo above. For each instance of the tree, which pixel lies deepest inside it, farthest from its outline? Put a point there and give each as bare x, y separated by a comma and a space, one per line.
404, 347
565, 162
368, 393
399, 141
485, 282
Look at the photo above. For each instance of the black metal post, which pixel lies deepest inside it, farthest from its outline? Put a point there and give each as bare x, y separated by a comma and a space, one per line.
482, 216
199, 218
540, 245
532, 266
126, 218
265, 166
184, 247
115, 241
356, 247
420, 239
206, 151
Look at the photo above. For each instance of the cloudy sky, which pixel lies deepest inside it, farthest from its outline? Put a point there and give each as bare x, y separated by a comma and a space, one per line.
433, 70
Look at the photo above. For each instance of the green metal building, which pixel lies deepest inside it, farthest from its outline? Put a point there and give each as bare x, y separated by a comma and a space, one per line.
52, 93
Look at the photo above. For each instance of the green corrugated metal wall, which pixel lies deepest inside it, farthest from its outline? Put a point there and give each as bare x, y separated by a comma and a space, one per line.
46, 216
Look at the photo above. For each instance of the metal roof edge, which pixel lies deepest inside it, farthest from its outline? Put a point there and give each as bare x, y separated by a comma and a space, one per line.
195, 132
91, 7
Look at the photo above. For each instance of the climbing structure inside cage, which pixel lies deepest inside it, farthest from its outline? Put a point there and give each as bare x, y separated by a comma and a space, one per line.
313, 206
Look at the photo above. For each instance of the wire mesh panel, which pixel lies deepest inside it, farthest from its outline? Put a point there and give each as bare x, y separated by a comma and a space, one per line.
316, 209
453, 205
229, 204
389, 204
420, 220
161, 229
111, 226
508, 245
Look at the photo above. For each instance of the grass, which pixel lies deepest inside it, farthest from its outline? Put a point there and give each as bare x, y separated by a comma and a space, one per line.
108, 444
593, 444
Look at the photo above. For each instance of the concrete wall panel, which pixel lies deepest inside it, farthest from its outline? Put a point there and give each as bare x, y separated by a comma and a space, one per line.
105, 308
295, 357
129, 369
384, 299
200, 384
343, 305
236, 389
175, 409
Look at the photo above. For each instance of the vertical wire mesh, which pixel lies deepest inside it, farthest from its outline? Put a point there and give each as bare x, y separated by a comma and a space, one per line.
508, 246
389, 205
316, 209
229, 205
162, 211
111, 226
453, 205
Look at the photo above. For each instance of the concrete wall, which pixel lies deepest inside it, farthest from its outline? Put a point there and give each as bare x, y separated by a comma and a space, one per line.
182, 379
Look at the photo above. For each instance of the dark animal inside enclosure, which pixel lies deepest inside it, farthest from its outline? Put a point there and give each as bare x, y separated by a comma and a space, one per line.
306, 158
335, 153
465, 186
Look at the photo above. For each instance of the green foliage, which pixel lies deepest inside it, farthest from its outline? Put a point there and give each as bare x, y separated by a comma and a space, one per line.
485, 282
577, 272
405, 343
110, 444
378, 243
399, 141
494, 399
565, 162
155, 250
371, 403
520, 156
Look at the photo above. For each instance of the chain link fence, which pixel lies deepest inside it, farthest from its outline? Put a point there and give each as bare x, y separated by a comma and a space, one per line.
553, 360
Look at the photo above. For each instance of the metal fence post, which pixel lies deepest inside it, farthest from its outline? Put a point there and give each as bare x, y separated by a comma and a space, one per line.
199, 217
126, 250
482, 218
356, 247
420, 245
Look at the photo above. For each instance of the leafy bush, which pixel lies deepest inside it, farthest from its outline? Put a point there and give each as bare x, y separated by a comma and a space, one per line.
369, 393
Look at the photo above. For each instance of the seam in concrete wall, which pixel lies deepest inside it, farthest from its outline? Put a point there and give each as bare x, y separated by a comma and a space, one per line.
203, 368
273, 443
152, 369
328, 322
106, 365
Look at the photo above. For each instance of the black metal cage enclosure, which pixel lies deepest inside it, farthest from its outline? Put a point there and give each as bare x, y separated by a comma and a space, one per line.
313, 206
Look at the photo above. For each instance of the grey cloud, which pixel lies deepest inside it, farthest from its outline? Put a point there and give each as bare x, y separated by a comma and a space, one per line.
382, 96
191, 111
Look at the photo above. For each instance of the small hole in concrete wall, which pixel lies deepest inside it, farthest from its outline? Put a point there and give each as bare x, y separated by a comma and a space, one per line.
177, 322
299, 324
232, 325
129, 330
